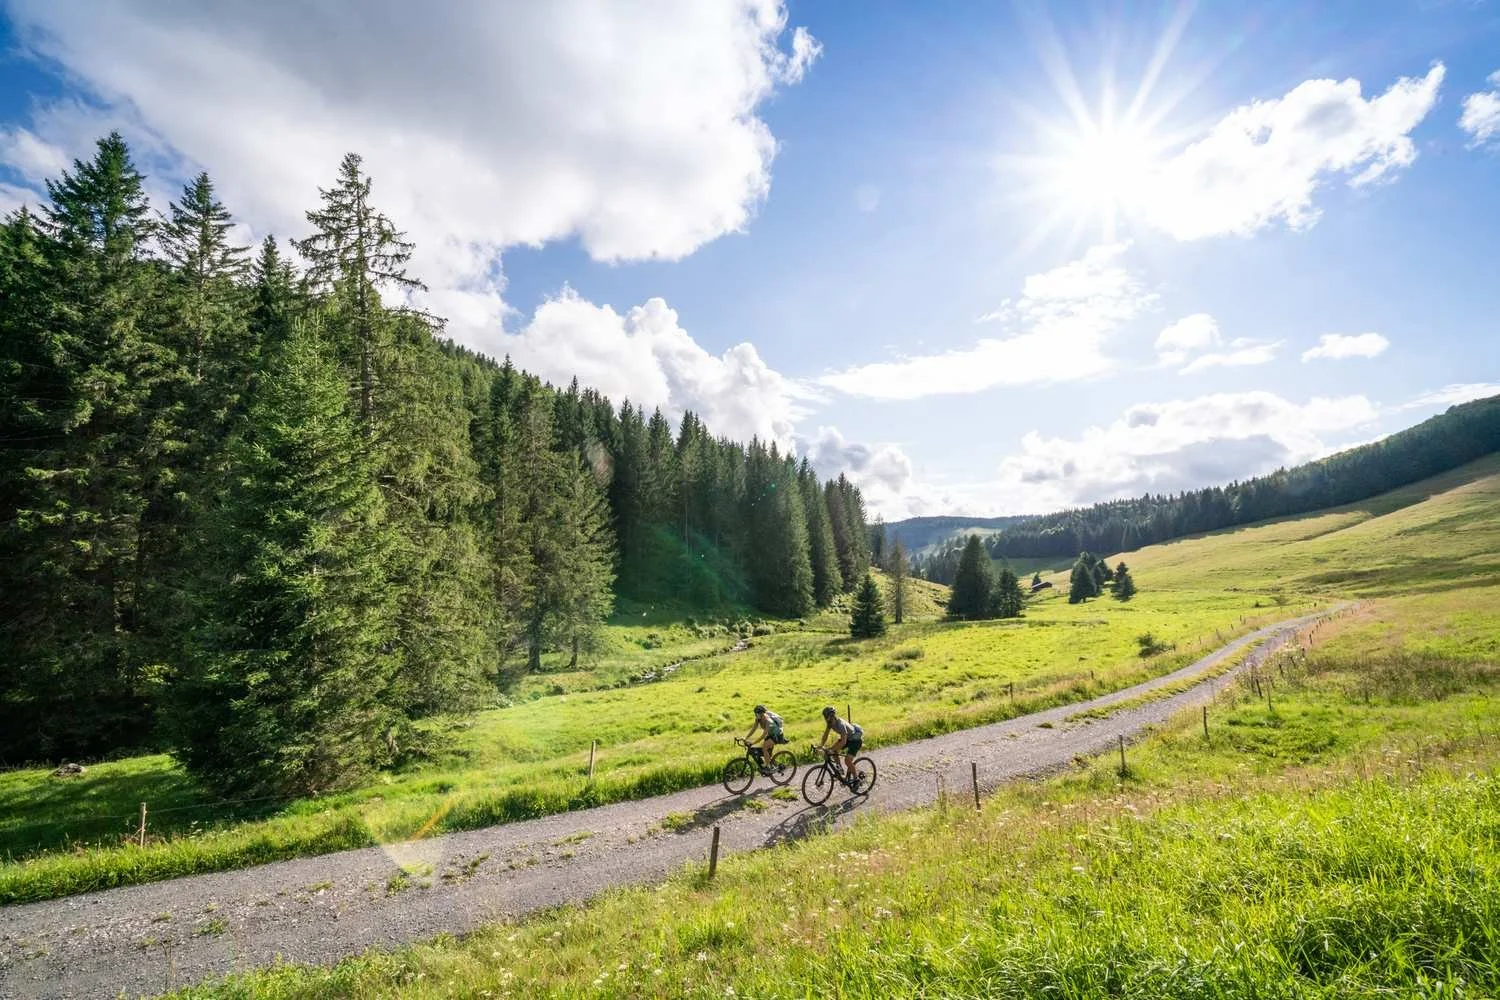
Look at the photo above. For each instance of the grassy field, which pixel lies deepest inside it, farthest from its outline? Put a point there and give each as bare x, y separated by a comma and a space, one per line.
661, 729
1345, 843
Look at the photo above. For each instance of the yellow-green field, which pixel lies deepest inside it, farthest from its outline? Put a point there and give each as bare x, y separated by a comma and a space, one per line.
1427, 543
1344, 844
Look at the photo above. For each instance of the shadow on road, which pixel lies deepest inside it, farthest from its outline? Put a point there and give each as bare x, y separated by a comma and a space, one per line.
809, 820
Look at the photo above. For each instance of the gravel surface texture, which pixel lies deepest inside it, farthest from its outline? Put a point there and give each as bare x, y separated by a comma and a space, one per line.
147, 939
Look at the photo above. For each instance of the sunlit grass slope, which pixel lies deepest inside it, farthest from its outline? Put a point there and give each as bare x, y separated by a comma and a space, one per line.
1343, 843
659, 730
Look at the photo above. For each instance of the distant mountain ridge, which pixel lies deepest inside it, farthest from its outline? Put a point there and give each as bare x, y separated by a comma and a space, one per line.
1439, 444
918, 534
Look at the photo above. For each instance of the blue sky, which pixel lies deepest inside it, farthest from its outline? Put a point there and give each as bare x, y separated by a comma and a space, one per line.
986, 258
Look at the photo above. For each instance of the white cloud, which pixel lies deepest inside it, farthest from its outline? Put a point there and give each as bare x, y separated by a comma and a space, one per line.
647, 356
484, 125
1187, 336
1063, 318
1241, 352
1481, 114
1452, 395
882, 472
1263, 162
1337, 346
1177, 445
1198, 334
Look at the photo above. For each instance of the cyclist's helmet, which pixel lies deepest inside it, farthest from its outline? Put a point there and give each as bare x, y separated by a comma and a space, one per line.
829, 712
760, 710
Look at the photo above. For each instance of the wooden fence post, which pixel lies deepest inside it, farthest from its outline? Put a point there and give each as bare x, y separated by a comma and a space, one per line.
142, 833
713, 854
974, 773
1205, 722
593, 746
1122, 755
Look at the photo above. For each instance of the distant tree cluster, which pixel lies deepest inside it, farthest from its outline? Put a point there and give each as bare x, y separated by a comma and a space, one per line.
1462, 434
978, 592
1090, 576
254, 512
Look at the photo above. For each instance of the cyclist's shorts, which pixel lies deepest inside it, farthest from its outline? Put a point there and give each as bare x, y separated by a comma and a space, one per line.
853, 745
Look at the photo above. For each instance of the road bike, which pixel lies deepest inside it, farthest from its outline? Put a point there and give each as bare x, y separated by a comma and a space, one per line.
817, 783
739, 773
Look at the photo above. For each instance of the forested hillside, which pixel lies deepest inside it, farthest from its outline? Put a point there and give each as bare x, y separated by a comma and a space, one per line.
1444, 442
254, 508
919, 534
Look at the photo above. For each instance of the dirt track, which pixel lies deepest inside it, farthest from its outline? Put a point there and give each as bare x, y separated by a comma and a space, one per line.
150, 938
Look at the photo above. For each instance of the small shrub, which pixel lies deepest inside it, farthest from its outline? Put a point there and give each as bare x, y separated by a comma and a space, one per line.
908, 653
1150, 645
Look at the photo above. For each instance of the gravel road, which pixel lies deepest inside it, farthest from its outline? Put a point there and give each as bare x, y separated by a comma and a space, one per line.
151, 938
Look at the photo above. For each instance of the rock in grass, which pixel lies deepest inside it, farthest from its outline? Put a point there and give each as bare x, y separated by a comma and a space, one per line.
69, 771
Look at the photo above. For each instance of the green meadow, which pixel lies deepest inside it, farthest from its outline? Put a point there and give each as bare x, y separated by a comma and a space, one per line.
659, 729
1344, 842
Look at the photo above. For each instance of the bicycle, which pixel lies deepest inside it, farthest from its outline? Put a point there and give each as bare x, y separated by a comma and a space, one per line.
817, 784
739, 773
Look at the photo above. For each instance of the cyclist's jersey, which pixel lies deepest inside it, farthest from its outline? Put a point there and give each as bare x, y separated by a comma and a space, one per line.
848, 729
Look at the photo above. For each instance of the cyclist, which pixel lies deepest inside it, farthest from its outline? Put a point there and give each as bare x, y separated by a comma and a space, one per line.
769, 723
850, 739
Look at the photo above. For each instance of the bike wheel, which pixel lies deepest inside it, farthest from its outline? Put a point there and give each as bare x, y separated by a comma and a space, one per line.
864, 775
783, 767
817, 785
738, 774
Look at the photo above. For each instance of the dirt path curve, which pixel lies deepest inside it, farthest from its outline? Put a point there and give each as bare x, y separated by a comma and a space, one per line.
150, 938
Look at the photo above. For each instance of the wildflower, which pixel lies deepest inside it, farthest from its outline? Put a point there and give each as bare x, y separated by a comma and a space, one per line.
702, 956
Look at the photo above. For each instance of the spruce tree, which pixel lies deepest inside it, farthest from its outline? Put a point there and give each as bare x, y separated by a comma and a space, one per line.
1083, 583
868, 619
898, 571
356, 252
285, 694
99, 420
1123, 587
1008, 600
970, 599
828, 581
208, 271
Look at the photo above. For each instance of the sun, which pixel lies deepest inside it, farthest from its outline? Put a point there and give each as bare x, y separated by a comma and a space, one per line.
1107, 170
1096, 160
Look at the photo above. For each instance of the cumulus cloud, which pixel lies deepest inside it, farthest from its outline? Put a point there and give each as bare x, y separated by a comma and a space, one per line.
1176, 445
1263, 162
1197, 337
882, 472
1187, 336
646, 356
1061, 322
1452, 395
1337, 346
1481, 114
484, 125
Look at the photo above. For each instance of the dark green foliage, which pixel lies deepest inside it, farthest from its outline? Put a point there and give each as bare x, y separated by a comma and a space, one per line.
900, 568
972, 584
1123, 586
133, 461
1085, 580
868, 619
92, 419
287, 693
1462, 434
1007, 600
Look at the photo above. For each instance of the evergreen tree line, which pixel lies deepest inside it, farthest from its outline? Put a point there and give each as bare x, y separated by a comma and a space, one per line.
1090, 576
1447, 441
978, 592
254, 509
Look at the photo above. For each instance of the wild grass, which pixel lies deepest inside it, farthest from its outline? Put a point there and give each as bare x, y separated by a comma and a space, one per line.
1345, 843
1428, 548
